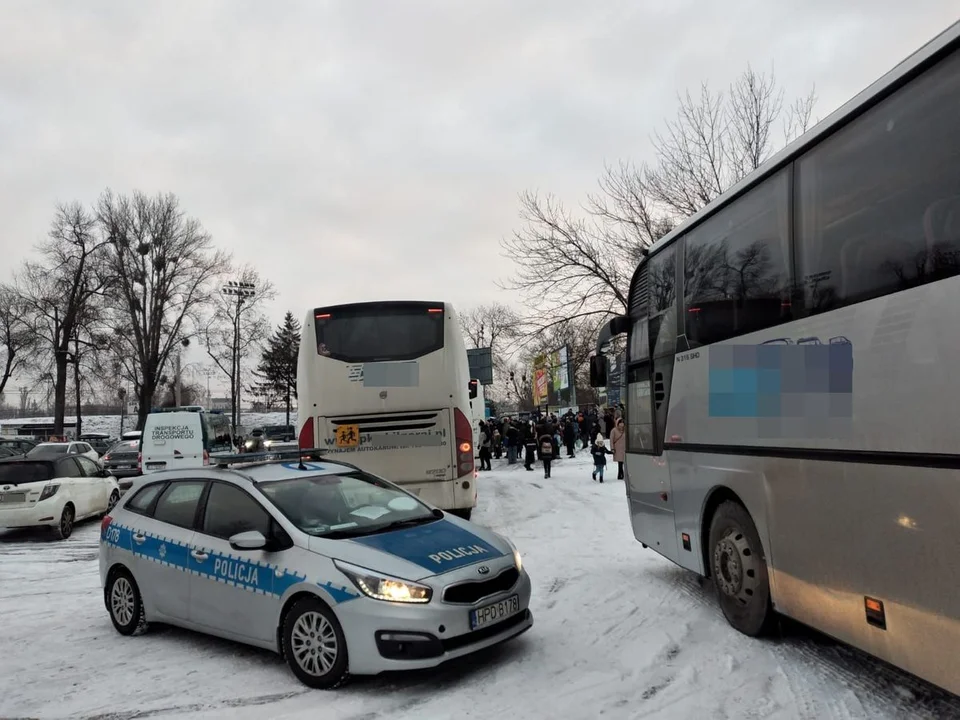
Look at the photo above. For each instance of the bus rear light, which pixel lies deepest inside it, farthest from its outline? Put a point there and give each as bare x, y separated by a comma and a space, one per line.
435, 310
305, 440
322, 316
464, 434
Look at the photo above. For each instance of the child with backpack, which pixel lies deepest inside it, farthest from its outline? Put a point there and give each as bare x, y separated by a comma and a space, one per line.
546, 450
599, 452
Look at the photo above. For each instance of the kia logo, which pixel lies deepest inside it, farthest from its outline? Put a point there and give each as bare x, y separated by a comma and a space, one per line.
383, 394
483, 569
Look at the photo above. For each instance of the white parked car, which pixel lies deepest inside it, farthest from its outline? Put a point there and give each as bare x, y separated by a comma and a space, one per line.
37, 492
54, 451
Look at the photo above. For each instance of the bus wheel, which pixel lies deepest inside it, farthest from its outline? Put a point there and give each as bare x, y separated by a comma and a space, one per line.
462, 513
739, 570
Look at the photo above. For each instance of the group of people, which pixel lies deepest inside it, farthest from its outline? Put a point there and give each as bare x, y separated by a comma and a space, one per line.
541, 436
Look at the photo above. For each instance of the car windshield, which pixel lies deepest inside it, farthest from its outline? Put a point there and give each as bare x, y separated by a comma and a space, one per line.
17, 473
48, 451
345, 505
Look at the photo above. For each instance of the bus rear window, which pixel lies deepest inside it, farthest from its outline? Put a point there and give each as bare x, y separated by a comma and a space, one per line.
379, 332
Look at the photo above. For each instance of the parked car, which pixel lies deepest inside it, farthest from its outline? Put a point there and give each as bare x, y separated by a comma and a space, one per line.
100, 442
121, 461
131, 435
21, 446
54, 451
308, 559
56, 493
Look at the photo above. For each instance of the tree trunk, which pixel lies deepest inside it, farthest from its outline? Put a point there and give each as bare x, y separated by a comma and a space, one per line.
145, 400
288, 406
60, 392
76, 382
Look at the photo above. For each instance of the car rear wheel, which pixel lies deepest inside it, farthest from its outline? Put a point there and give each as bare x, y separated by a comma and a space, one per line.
125, 604
65, 527
314, 645
114, 499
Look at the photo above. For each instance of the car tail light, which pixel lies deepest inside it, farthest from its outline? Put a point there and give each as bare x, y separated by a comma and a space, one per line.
206, 456
464, 434
106, 458
140, 463
104, 524
306, 440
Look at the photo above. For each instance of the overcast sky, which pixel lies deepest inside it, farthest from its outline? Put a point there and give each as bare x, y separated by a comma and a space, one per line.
363, 150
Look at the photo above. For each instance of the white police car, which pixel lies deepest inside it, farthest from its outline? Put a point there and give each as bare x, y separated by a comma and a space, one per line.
335, 569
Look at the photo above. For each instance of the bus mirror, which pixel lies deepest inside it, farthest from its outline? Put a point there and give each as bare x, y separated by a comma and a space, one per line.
472, 385
598, 371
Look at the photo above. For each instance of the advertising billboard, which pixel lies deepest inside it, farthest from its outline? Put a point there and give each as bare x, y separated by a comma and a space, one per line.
553, 379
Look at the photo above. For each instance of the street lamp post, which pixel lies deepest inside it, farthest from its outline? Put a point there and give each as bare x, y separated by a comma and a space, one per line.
242, 291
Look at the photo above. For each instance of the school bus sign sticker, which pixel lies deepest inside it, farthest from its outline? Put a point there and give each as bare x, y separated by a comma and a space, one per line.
348, 436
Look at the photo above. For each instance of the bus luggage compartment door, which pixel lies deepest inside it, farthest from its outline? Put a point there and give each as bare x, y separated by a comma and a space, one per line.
651, 504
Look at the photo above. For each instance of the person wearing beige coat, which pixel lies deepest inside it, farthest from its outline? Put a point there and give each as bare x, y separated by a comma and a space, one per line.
618, 442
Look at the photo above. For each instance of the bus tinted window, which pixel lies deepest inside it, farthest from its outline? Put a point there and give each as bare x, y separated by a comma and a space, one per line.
379, 332
879, 202
737, 266
662, 269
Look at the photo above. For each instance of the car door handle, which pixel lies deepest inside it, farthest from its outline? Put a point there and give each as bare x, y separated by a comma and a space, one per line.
139, 539
199, 555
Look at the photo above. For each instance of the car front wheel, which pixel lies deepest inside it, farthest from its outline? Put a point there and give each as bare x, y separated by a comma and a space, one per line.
314, 645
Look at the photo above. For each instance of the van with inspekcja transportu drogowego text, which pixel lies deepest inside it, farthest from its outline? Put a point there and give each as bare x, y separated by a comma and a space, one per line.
174, 441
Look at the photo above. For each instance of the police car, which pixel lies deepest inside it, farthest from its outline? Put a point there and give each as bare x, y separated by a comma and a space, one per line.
336, 569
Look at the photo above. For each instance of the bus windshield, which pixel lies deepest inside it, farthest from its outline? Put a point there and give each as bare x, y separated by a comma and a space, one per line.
376, 332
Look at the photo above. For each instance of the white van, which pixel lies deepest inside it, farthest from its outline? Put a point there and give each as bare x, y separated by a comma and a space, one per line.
174, 441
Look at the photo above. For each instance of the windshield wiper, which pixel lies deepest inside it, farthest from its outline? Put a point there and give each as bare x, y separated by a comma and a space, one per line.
395, 525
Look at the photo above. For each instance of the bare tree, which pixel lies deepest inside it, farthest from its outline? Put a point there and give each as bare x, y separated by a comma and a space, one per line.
717, 139
56, 292
565, 267
17, 338
165, 269
237, 326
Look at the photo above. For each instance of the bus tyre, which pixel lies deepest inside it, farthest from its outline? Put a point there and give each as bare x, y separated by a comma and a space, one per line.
464, 513
739, 570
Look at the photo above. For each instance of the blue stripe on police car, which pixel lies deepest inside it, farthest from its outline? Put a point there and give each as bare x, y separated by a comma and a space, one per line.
439, 546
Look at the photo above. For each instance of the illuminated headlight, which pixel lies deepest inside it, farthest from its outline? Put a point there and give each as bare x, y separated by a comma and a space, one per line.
382, 587
48, 492
517, 560
269, 443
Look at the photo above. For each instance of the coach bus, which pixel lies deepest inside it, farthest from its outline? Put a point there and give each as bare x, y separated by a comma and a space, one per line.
387, 385
792, 405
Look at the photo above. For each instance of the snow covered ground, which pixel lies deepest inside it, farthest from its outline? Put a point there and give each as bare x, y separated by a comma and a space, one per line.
618, 633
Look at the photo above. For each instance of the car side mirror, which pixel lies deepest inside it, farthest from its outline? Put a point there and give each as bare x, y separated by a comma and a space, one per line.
250, 540
598, 371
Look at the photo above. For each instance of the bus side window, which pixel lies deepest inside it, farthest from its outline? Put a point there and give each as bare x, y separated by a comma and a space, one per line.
878, 204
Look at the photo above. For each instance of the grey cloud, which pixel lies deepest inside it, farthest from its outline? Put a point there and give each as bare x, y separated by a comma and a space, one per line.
368, 149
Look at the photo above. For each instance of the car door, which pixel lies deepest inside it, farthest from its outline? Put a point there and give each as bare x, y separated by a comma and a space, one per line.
232, 590
68, 473
98, 486
161, 541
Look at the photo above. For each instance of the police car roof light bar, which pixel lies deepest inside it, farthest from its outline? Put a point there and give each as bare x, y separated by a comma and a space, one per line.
276, 456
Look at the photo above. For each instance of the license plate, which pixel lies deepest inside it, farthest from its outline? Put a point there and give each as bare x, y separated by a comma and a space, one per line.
13, 498
156, 465
494, 612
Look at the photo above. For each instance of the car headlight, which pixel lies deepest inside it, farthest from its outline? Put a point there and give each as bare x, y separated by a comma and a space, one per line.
48, 491
382, 587
517, 560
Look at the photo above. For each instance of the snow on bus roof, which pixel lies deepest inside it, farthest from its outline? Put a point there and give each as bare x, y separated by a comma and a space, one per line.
272, 471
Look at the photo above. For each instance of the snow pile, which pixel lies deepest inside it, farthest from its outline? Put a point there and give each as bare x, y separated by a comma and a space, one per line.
619, 633
110, 424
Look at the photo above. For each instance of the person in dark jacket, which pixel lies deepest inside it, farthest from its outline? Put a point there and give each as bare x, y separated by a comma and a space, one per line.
545, 443
570, 436
599, 452
529, 445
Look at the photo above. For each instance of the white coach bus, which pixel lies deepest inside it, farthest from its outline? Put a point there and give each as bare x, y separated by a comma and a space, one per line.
387, 385
792, 401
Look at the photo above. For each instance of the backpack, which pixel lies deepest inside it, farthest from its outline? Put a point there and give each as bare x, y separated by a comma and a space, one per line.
546, 446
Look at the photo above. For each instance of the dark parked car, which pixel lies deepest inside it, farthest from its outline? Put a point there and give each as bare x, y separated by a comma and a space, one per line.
101, 442
19, 446
120, 460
